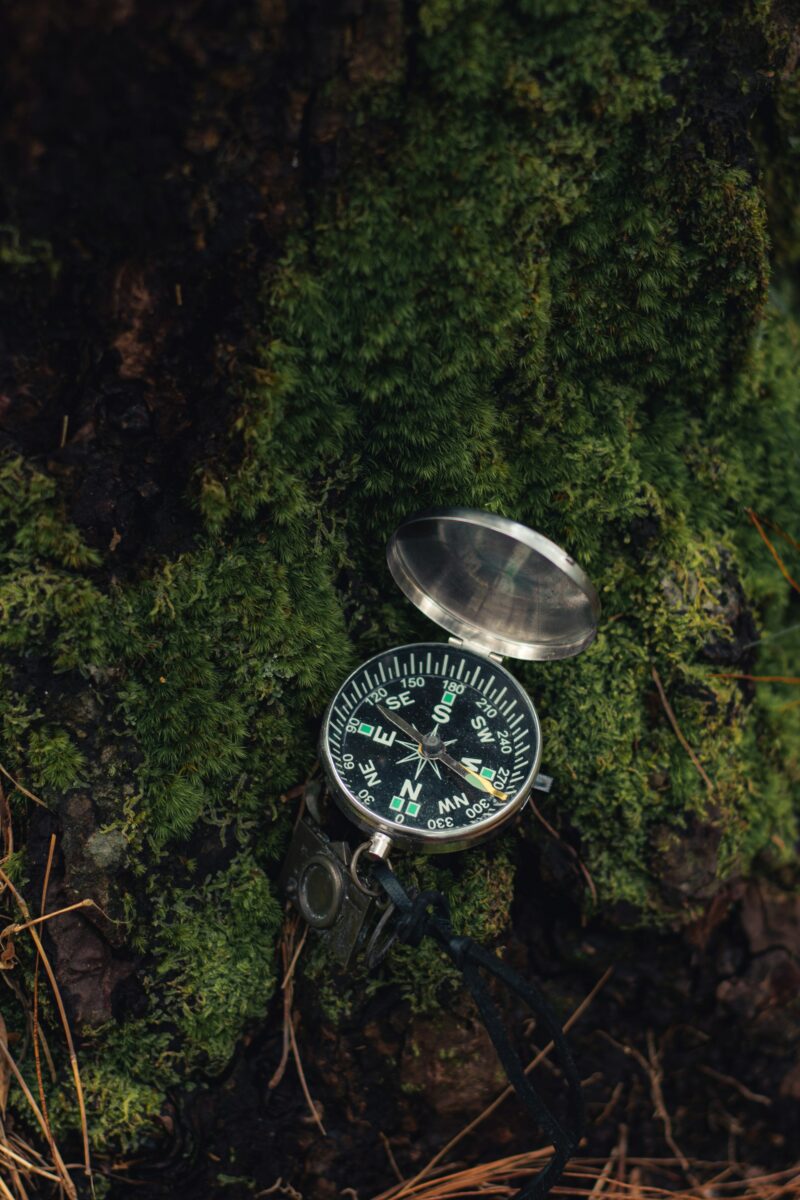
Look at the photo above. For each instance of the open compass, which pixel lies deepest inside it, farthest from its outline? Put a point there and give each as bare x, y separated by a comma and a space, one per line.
436, 745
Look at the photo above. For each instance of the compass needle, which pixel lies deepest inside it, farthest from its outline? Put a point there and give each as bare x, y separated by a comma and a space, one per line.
388, 715
472, 776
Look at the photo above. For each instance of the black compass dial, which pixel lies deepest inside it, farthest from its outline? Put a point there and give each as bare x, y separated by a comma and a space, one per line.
437, 742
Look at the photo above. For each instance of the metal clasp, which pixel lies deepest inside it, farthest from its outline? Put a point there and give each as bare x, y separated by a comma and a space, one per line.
476, 648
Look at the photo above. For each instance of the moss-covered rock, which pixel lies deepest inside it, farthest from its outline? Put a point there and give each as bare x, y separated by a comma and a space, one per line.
540, 286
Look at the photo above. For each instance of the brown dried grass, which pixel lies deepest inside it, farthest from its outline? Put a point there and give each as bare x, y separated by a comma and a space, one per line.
619, 1178
21, 1163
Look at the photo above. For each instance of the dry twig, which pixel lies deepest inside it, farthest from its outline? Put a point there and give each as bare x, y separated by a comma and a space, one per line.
66, 1181
651, 1065
673, 720
303, 1083
20, 788
35, 1017
740, 1087
387, 1145
73, 1058
612, 1103
289, 957
781, 564
503, 1176
288, 994
584, 870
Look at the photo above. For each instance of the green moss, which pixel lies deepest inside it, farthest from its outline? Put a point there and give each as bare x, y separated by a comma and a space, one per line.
554, 304
547, 296
215, 954
46, 603
124, 1091
20, 255
231, 651
54, 759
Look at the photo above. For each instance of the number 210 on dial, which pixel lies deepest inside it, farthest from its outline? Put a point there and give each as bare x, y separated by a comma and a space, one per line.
432, 743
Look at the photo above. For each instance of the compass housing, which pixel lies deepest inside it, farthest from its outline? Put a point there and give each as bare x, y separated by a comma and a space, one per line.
501, 589
385, 786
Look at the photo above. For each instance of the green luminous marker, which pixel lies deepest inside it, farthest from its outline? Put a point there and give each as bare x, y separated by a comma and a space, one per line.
396, 804
412, 809
487, 773
366, 729
448, 697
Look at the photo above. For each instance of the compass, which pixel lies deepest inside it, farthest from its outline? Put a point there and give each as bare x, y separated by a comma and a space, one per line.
436, 745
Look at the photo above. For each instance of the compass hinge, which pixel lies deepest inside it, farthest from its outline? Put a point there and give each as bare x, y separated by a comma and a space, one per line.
476, 648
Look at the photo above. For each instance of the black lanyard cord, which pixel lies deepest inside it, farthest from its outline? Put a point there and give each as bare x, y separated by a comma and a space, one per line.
428, 915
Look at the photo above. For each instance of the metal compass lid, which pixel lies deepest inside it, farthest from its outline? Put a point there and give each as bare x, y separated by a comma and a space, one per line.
494, 583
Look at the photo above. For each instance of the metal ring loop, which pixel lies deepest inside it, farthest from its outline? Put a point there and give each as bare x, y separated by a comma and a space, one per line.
362, 887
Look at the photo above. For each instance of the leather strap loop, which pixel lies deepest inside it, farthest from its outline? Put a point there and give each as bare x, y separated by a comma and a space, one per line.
427, 914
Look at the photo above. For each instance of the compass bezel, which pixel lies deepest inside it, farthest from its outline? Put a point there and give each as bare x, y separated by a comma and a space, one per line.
426, 840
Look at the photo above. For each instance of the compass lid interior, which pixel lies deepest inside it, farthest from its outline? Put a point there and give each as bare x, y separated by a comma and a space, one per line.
495, 583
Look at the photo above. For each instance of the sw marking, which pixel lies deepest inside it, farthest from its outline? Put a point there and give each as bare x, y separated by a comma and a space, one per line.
481, 727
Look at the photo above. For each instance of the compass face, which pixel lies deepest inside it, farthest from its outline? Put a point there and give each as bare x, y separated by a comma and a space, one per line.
431, 744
